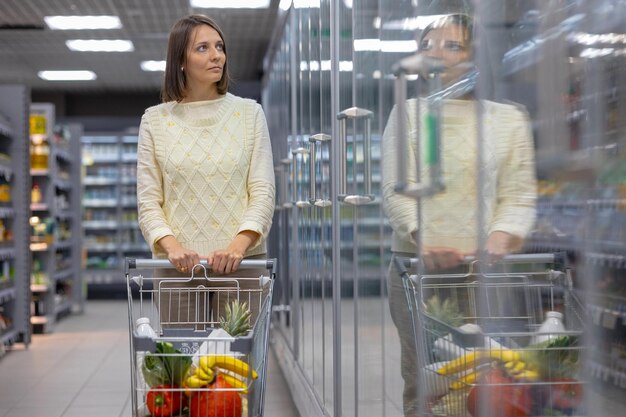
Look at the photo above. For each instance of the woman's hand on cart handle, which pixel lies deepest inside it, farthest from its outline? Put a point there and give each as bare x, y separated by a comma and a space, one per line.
441, 257
499, 244
183, 259
225, 261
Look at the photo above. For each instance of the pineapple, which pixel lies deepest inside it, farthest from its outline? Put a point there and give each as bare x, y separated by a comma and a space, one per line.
447, 311
237, 319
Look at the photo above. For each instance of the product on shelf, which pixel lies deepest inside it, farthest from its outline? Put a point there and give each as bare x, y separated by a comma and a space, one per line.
39, 152
5, 190
36, 195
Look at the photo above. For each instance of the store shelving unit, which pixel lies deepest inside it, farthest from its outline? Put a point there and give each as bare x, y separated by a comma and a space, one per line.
56, 282
110, 210
14, 214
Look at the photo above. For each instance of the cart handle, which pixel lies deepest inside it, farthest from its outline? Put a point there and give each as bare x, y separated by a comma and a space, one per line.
132, 263
557, 258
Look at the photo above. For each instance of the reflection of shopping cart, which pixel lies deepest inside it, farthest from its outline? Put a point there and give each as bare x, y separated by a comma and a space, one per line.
185, 315
480, 351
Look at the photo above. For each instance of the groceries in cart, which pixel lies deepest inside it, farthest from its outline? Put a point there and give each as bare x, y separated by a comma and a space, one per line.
211, 382
208, 359
498, 344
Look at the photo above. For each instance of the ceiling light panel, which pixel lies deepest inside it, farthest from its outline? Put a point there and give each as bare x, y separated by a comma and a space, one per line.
82, 22
78, 75
153, 65
230, 4
409, 23
306, 4
384, 46
100, 45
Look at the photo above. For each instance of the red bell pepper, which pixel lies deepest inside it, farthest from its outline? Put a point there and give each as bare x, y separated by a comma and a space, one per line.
564, 393
163, 401
220, 400
502, 398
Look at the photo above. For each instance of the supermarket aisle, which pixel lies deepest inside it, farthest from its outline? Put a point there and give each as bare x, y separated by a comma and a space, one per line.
82, 369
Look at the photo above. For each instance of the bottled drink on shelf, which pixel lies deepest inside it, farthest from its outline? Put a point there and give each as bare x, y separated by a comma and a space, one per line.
35, 194
39, 152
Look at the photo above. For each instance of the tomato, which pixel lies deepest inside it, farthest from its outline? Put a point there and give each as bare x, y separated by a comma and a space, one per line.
501, 399
162, 402
214, 403
563, 394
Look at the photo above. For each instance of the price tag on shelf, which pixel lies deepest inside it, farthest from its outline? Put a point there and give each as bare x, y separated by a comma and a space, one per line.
37, 124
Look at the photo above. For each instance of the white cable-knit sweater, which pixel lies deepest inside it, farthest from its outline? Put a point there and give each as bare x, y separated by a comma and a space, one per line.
205, 173
450, 218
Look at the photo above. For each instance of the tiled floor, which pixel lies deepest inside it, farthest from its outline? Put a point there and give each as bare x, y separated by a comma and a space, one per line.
82, 369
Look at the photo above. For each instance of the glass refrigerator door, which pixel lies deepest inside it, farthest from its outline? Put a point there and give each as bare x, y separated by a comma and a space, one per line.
312, 277
277, 107
369, 373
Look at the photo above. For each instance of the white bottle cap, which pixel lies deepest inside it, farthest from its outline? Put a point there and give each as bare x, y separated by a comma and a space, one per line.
142, 320
554, 315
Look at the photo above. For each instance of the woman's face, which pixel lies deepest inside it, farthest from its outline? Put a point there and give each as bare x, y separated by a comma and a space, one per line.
205, 58
450, 44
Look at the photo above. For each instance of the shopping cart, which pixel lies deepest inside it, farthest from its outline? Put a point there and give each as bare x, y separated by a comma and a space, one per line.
479, 348
184, 313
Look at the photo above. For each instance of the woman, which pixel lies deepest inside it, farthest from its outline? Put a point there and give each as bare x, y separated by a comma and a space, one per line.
205, 180
449, 219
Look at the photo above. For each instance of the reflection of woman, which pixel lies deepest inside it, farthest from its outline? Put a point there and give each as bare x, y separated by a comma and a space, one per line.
449, 228
205, 178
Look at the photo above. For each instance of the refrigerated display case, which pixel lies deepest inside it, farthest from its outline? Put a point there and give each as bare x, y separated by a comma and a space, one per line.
333, 75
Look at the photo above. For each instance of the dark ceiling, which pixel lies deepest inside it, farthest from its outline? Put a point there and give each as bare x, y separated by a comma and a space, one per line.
27, 45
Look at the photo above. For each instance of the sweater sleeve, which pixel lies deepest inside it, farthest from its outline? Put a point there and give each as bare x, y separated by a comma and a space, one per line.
517, 184
151, 218
402, 210
261, 189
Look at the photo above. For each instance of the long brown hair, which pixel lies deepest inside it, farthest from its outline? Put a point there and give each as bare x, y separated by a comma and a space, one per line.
462, 20
180, 35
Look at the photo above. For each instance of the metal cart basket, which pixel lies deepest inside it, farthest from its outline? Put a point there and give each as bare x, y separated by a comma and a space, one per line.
187, 365
480, 350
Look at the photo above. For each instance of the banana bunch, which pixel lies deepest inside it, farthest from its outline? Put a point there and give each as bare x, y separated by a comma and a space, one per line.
200, 377
466, 380
472, 359
520, 370
232, 370
473, 364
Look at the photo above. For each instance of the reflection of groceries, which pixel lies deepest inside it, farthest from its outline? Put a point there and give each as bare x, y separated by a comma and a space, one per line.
446, 349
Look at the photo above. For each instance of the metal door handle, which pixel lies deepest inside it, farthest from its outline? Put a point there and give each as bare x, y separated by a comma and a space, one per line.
430, 69
355, 113
283, 188
313, 141
304, 202
285, 163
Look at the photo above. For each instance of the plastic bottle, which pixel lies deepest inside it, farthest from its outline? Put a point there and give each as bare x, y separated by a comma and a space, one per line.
143, 328
35, 194
550, 328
